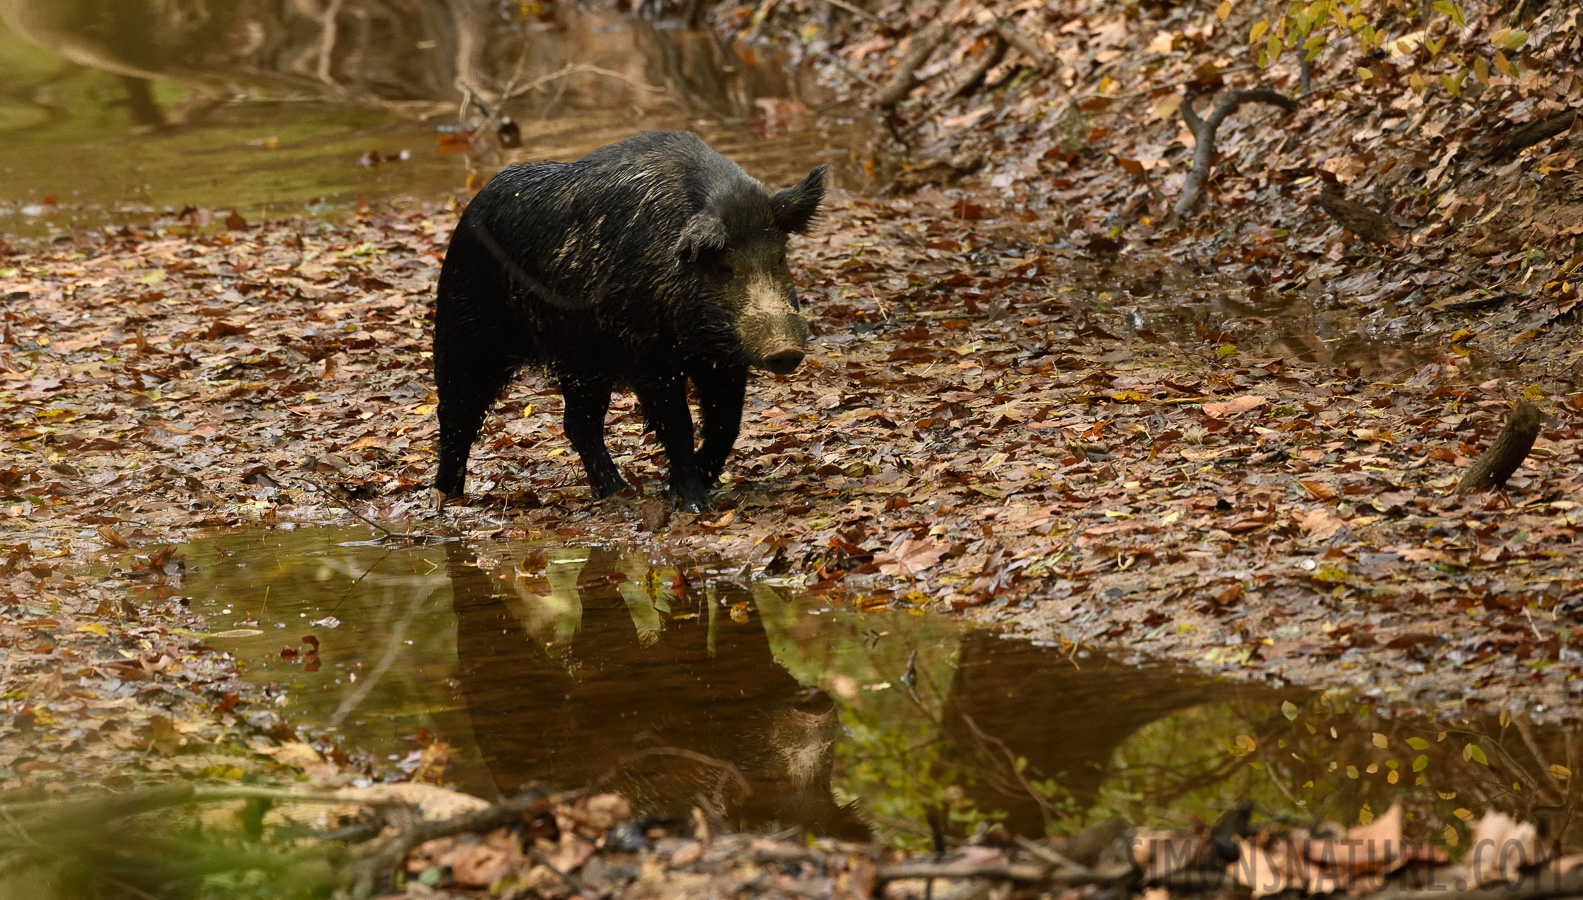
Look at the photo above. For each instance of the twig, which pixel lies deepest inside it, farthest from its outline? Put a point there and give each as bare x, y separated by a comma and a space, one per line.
1204, 133
384, 532
855, 10
368, 861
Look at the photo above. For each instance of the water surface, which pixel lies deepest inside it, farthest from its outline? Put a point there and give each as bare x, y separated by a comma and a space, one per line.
706, 684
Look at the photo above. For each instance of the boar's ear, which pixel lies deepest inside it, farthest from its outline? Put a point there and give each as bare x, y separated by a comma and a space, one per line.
703, 233
796, 206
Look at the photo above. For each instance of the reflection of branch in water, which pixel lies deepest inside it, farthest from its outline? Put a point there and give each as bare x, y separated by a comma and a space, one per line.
1046, 810
393, 649
327, 43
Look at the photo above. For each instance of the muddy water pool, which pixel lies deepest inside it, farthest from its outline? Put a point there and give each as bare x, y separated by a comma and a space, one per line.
708, 684
125, 110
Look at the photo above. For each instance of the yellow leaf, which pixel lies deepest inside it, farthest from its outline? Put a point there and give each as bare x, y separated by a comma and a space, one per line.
1357, 22
1380, 740
1364, 74
93, 628
1417, 83
1561, 773
1481, 70
1246, 743
1223, 10
1500, 36
1451, 86
1259, 28
1503, 65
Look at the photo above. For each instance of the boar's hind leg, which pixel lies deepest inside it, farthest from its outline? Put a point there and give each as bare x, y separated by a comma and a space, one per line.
587, 401
720, 393
664, 401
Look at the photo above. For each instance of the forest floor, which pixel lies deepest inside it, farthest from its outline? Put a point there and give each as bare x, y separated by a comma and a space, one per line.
1028, 401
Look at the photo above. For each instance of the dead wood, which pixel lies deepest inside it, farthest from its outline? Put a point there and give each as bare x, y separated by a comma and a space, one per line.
1532, 133
923, 44
971, 79
1204, 133
1357, 218
855, 10
1024, 42
1511, 447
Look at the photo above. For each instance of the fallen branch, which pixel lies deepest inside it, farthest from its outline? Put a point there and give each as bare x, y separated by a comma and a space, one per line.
923, 44
1024, 42
987, 61
1204, 133
1532, 133
1511, 447
1357, 218
366, 863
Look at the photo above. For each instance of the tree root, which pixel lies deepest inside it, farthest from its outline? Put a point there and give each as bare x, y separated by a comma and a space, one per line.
1511, 447
1204, 132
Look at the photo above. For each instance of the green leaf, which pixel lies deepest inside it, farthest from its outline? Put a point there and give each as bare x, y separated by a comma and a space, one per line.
1475, 753
1421, 763
1417, 743
1289, 710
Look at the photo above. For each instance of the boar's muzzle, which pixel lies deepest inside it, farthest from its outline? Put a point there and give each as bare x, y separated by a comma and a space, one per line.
783, 361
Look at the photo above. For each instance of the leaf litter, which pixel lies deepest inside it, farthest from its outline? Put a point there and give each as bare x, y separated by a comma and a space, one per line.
998, 419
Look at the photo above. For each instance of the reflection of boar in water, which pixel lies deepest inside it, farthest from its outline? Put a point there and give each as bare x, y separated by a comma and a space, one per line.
647, 264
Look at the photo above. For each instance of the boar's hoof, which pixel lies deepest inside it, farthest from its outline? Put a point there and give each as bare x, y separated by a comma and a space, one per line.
783, 362
606, 487
692, 502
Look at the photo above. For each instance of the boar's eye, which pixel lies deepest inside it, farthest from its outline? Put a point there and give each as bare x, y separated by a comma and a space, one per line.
715, 264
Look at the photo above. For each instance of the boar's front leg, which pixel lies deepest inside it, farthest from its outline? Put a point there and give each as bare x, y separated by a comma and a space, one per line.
663, 397
587, 400
720, 393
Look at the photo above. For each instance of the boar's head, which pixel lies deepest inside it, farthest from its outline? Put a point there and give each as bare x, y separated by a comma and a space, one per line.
736, 248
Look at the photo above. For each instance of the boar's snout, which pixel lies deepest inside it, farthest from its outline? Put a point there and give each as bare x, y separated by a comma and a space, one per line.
783, 361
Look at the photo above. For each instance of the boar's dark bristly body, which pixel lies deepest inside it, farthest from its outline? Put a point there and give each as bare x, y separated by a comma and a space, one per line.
646, 264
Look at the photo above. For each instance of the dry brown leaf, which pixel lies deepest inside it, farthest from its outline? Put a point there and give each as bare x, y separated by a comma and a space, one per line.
911, 556
113, 537
1320, 523
1235, 405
